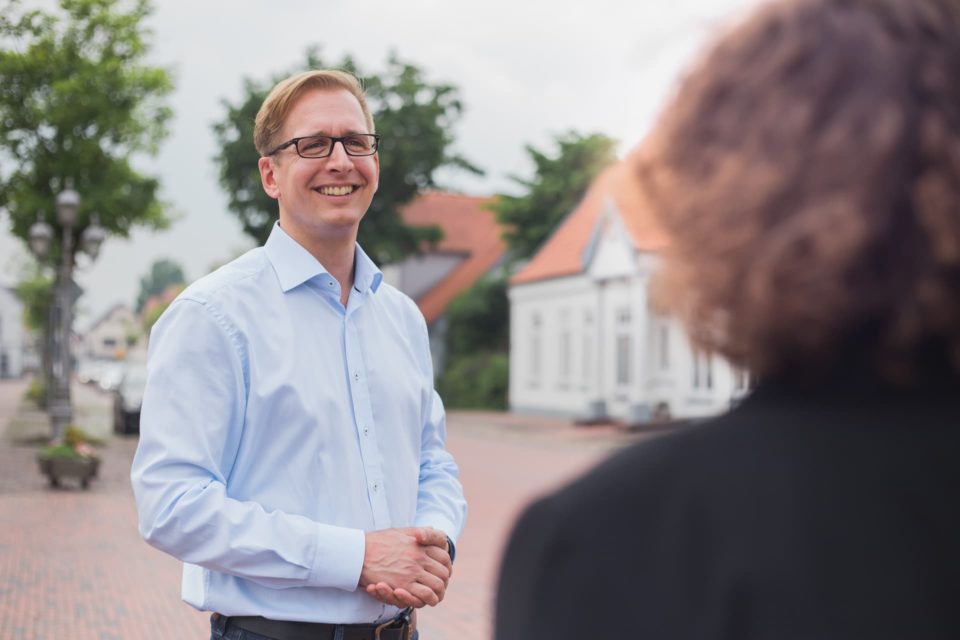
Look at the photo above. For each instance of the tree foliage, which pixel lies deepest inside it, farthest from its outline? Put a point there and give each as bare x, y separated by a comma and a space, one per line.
558, 184
415, 117
477, 381
36, 293
163, 273
478, 319
476, 362
77, 101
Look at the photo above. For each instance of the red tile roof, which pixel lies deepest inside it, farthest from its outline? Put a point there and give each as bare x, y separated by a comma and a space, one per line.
469, 228
562, 253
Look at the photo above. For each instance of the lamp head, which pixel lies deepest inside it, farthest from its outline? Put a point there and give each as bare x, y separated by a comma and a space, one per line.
93, 236
41, 236
68, 206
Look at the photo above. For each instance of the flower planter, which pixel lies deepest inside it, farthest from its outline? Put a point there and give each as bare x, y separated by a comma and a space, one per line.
57, 468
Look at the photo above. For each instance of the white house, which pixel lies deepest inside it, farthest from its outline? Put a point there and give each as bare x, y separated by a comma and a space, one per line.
14, 341
586, 341
107, 338
471, 247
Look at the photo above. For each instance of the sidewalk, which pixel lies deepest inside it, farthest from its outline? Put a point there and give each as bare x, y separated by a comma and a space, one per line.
72, 565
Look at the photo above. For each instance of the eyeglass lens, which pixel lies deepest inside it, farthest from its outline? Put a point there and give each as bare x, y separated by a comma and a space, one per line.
354, 145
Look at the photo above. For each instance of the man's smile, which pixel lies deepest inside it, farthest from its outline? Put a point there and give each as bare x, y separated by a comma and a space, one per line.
336, 190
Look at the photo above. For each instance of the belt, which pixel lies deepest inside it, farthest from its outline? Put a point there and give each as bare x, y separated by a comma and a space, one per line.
395, 629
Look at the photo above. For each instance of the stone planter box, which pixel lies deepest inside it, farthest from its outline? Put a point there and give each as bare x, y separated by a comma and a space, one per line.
80, 469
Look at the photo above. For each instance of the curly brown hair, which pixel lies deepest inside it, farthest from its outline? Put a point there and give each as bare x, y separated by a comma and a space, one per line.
808, 174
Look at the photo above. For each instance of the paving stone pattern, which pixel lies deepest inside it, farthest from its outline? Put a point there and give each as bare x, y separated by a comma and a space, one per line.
72, 565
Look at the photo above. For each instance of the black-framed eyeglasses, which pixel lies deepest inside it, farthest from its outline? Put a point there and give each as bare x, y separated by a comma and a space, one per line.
354, 144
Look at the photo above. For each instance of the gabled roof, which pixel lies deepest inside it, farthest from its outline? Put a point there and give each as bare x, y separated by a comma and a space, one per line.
108, 314
564, 251
469, 229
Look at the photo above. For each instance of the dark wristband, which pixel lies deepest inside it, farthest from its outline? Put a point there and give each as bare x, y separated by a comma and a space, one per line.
451, 549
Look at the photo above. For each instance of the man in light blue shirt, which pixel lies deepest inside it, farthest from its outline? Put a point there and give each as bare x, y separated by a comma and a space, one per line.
292, 448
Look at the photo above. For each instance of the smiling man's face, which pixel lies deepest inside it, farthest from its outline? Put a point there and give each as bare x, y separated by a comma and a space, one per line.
322, 199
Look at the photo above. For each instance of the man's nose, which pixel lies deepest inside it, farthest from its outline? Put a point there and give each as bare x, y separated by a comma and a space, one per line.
338, 158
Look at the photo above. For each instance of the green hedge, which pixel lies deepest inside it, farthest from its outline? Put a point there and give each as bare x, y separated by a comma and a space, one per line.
476, 381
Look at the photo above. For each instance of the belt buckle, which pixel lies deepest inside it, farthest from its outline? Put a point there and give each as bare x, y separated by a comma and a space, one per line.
400, 620
380, 627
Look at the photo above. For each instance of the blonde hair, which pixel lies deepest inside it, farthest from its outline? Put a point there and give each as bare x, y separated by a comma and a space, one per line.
274, 110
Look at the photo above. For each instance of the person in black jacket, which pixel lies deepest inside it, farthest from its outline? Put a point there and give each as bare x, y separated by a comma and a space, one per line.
807, 173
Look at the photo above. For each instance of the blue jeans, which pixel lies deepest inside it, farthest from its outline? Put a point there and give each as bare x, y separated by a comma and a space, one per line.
218, 631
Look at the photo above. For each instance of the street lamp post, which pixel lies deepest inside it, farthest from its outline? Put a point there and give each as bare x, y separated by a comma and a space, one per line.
65, 295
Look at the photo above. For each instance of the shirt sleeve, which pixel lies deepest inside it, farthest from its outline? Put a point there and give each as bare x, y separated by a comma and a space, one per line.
440, 500
191, 424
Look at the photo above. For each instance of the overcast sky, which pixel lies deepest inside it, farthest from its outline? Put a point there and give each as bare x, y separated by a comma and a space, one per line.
526, 69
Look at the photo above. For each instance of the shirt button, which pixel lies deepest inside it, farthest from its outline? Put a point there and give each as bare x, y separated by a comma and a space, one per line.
366, 431
330, 283
356, 376
376, 487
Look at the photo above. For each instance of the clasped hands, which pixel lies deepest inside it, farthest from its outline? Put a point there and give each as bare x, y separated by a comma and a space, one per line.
406, 567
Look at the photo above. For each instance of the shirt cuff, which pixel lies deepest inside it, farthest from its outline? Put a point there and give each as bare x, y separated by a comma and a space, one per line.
338, 560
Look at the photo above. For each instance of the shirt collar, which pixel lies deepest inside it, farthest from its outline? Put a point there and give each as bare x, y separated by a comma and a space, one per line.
294, 265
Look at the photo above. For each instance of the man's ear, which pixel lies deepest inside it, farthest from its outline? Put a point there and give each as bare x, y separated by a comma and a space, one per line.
268, 177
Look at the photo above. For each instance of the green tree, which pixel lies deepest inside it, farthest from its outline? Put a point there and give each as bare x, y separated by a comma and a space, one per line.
558, 184
476, 362
162, 274
78, 101
415, 117
478, 319
35, 292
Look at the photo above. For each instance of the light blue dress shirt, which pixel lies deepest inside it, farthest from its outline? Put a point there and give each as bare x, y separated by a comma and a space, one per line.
278, 426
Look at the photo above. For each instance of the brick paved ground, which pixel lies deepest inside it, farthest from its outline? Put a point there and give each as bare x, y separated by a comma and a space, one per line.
72, 565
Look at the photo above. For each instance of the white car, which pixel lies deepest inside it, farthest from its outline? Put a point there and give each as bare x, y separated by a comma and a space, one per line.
127, 398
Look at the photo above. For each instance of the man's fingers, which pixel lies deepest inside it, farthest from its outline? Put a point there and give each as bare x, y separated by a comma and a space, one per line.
437, 569
441, 556
432, 582
400, 598
425, 593
431, 537
382, 592
408, 600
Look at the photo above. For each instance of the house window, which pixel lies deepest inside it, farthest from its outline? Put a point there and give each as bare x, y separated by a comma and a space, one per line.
624, 346
741, 380
702, 370
564, 356
663, 346
564, 349
535, 350
587, 344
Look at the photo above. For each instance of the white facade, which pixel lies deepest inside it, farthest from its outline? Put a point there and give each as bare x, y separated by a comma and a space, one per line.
590, 345
13, 337
108, 338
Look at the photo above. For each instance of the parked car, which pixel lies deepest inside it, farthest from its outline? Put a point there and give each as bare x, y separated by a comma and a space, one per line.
88, 371
127, 398
110, 375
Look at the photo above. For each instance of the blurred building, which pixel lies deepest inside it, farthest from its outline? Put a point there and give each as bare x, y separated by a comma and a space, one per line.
110, 335
471, 247
585, 339
14, 338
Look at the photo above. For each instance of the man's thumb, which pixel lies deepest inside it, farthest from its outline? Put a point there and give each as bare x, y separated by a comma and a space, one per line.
428, 536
